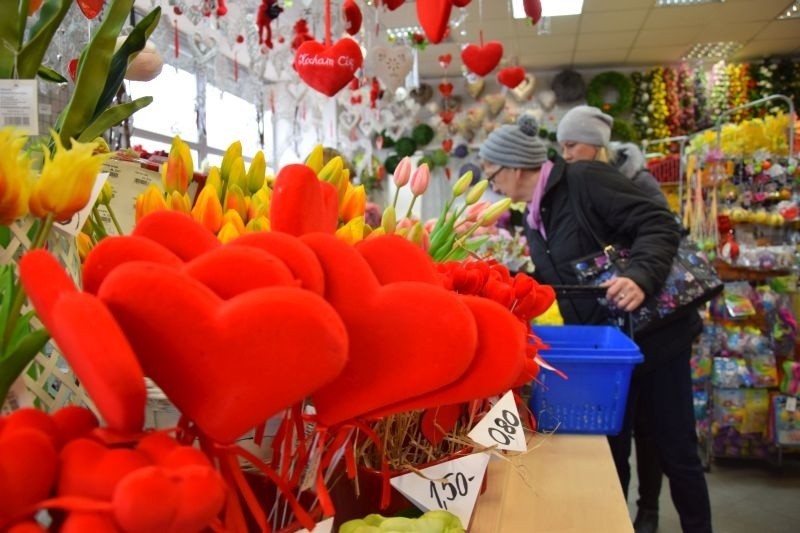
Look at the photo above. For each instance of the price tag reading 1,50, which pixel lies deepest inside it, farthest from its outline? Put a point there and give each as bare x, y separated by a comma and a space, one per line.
451, 487
501, 427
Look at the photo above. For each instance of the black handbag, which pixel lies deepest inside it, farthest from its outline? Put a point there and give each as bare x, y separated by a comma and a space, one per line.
691, 282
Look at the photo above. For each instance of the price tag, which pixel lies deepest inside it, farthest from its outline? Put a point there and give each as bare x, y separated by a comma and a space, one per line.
19, 105
791, 404
326, 526
501, 427
128, 180
452, 486
73, 226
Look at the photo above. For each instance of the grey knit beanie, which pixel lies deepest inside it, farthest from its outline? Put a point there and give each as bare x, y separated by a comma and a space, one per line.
585, 124
515, 145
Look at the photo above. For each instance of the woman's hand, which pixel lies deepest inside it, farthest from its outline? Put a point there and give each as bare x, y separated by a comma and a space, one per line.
624, 293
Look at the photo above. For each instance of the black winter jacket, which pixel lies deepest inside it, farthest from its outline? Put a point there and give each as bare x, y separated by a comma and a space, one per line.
619, 212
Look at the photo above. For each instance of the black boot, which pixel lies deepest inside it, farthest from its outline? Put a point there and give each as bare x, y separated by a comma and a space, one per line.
646, 521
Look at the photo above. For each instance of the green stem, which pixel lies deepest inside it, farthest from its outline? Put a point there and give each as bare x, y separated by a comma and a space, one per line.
114, 219
410, 207
396, 196
97, 222
462, 239
19, 296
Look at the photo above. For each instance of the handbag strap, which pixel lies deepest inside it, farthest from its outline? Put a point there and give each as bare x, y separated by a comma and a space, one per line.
608, 249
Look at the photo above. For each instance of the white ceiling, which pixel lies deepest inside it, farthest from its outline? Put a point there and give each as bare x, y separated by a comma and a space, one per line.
613, 33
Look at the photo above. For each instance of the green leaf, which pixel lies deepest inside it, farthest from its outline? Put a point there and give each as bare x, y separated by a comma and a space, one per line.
48, 74
19, 358
113, 116
10, 35
30, 56
93, 71
122, 58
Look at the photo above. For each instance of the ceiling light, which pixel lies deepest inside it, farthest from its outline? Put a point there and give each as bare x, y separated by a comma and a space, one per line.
715, 51
550, 8
792, 11
672, 3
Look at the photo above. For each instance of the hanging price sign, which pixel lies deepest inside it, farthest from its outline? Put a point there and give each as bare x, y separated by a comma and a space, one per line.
326, 526
452, 486
501, 427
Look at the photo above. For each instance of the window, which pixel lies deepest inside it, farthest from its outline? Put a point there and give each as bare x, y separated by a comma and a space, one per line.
172, 111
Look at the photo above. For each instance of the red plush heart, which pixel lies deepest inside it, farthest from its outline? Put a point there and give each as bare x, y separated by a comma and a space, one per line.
447, 145
163, 450
445, 59
391, 4
385, 252
434, 16
289, 337
90, 8
81, 522
92, 342
446, 89
90, 469
27, 469
301, 203
511, 76
328, 69
115, 250
436, 423
53, 283
461, 3
352, 17
74, 421
30, 418
29, 527
533, 8
406, 338
447, 116
72, 69
294, 253
177, 232
169, 500
482, 59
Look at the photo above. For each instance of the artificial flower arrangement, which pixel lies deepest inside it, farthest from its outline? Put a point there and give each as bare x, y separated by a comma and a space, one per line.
314, 312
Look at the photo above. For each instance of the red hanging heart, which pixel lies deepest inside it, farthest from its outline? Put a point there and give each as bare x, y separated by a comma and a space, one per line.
482, 59
511, 76
328, 69
298, 190
72, 69
445, 59
461, 3
447, 145
90, 8
447, 116
434, 16
446, 88
391, 5
352, 17
533, 8
288, 336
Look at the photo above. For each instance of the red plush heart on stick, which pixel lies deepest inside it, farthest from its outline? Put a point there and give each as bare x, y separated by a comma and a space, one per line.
385, 252
445, 59
328, 69
446, 89
178, 233
434, 16
533, 8
290, 338
511, 76
301, 203
90, 469
481, 60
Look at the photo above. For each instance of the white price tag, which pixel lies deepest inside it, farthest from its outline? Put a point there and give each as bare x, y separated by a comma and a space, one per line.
501, 427
128, 180
452, 486
791, 404
326, 526
73, 226
19, 105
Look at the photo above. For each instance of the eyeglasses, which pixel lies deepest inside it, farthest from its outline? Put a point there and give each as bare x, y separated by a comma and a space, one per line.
494, 174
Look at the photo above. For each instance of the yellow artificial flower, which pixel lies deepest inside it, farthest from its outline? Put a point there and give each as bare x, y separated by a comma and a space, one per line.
261, 223
234, 151
207, 209
354, 203
353, 231
150, 201
228, 233
259, 203
316, 159
67, 179
235, 200
256, 173
15, 171
214, 179
231, 216
237, 175
179, 202
177, 172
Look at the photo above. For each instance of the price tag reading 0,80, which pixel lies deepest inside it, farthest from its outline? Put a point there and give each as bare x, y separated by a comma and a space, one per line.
504, 429
451, 487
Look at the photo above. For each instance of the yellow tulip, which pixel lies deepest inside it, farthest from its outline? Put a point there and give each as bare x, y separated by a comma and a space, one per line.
389, 220
494, 211
84, 245
352, 232
259, 203
214, 179
316, 159
461, 185
475, 193
237, 175
261, 223
354, 203
228, 233
256, 172
415, 233
106, 194
233, 152
150, 201
66, 181
234, 199
179, 202
177, 172
207, 209
15, 170
231, 216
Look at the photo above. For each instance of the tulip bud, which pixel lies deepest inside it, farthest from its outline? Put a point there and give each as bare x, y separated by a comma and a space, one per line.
332, 170
150, 201
179, 202
15, 169
316, 159
231, 216
106, 194
234, 151
475, 193
207, 209
415, 234
494, 211
402, 172
256, 172
354, 203
237, 175
228, 233
420, 180
259, 203
258, 224
234, 199
352, 232
214, 179
178, 169
462, 184
389, 220
85, 245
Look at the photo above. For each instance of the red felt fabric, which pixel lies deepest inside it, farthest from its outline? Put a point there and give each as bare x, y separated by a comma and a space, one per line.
74, 421
328, 69
392, 258
188, 340
176, 232
482, 59
81, 522
293, 252
89, 469
511, 76
301, 203
52, 281
352, 17
115, 250
27, 469
434, 16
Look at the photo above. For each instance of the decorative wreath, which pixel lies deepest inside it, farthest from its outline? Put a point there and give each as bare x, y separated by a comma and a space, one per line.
617, 81
622, 130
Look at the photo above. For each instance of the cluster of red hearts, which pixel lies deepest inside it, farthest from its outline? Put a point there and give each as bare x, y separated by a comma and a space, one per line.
237, 334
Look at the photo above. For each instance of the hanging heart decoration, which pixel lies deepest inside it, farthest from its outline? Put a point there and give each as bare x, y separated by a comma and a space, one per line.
524, 90
349, 119
422, 94
391, 65
433, 16
511, 76
452, 102
482, 59
204, 48
328, 69
446, 88
352, 17
475, 117
533, 8
447, 116
548, 99
90, 8
445, 59
495, 102
72, 69
475, 88
391, 5
447, 145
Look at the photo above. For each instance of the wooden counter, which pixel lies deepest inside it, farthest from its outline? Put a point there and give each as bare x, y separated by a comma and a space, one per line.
567, 484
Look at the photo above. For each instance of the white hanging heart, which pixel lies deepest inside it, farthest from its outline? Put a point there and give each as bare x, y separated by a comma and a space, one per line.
391, 65
297, 90
524, 90
495, 102
204, 47
475, 87
548, 99
349, 119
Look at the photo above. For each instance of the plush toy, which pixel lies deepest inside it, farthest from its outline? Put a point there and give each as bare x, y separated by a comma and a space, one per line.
352, 17
301, 34
268, 11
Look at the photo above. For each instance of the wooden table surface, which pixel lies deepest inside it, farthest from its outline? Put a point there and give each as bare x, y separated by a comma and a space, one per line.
566, 484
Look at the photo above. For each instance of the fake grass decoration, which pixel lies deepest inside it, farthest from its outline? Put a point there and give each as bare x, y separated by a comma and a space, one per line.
292, 318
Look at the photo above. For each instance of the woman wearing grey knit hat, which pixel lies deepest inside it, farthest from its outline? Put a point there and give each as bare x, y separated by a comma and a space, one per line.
584, 133
514, 159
